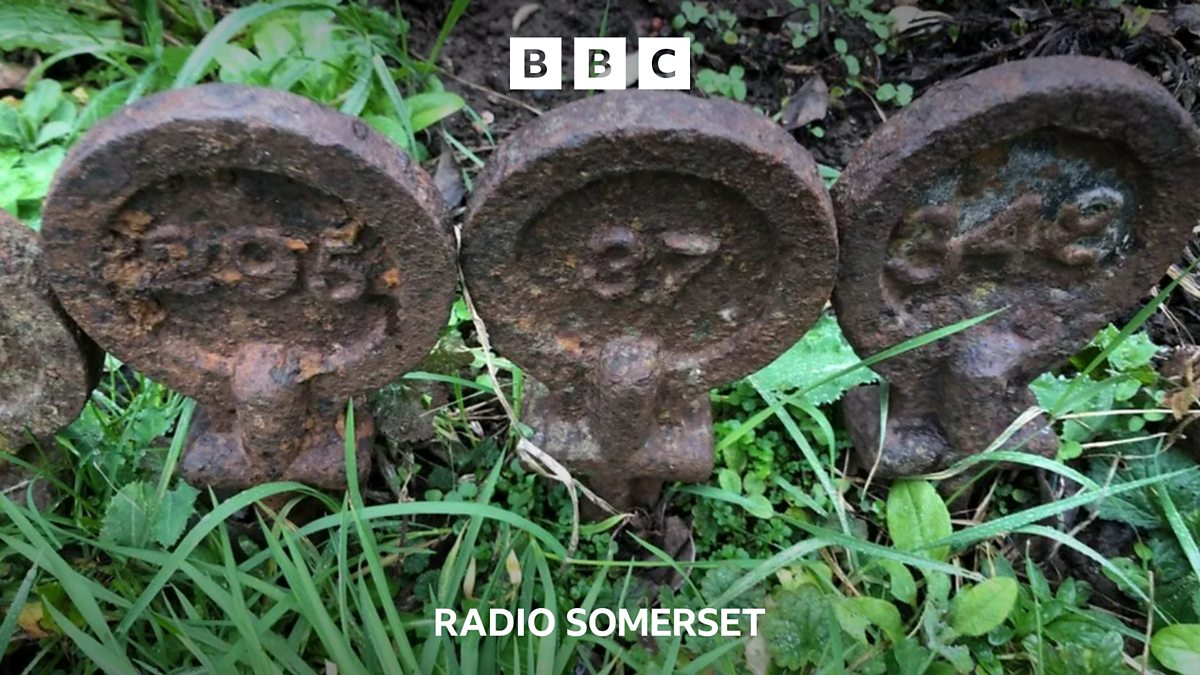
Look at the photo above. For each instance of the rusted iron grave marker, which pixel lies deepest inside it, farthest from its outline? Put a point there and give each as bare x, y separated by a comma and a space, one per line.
1060, 188
263, 254
632, 250
47, 366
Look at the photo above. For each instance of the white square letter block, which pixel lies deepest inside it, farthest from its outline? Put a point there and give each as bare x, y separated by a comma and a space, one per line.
665, 63
599, 63
534, 63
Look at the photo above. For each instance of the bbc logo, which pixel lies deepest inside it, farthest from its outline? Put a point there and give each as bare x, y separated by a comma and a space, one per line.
662, 63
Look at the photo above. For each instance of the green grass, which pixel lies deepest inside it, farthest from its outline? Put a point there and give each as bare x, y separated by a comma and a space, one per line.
130, 570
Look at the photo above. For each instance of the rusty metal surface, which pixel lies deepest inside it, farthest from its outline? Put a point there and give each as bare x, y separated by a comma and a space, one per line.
47, 366
1060, 188
634, 249
263, 254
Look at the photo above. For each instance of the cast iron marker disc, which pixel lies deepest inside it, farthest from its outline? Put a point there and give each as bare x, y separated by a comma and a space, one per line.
47, 366
696, 223
198, 221
1059, 188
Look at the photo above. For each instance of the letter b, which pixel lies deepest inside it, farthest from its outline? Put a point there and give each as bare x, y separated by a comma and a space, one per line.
534, 63
599, 63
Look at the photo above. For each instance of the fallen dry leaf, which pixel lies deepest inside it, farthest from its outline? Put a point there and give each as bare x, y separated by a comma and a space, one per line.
12, 76
808, 105
449, 179
1029, 15
30, 620
906, 18
523, 13
513, 566
469, 580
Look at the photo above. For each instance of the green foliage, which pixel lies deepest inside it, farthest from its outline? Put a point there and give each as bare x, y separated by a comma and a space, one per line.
49, 26
33, 137
734, 516
983, 607
1177, 647
326, 50
729, 85
797, 627
809, 28
808, 365
136, 515
1177, 587
854, 615
1126, 380
917, 517
901, 94
313, 54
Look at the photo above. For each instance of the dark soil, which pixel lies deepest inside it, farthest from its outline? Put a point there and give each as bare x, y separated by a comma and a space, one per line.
981, 34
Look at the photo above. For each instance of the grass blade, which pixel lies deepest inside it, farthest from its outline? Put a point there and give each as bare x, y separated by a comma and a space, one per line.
1006, 524
107, 659
9, 626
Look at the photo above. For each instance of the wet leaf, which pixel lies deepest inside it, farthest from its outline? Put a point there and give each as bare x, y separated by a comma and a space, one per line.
797, 626
854, 615
916, 517
980, 608
900, 582
822, 353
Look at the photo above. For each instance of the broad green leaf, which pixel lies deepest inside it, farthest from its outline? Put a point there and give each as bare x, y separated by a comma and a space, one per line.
977, 609
900, 582
40, 167
1134, 352
916, 517
1178, 647
388, 126
65, 111
238, 64
730, 481
10, 126
822, 352
273, 41
128, 519
102, 104
911, 657
171, 517
40, 101
429, 108
855, 614
316, 33
796, 627
53, 132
